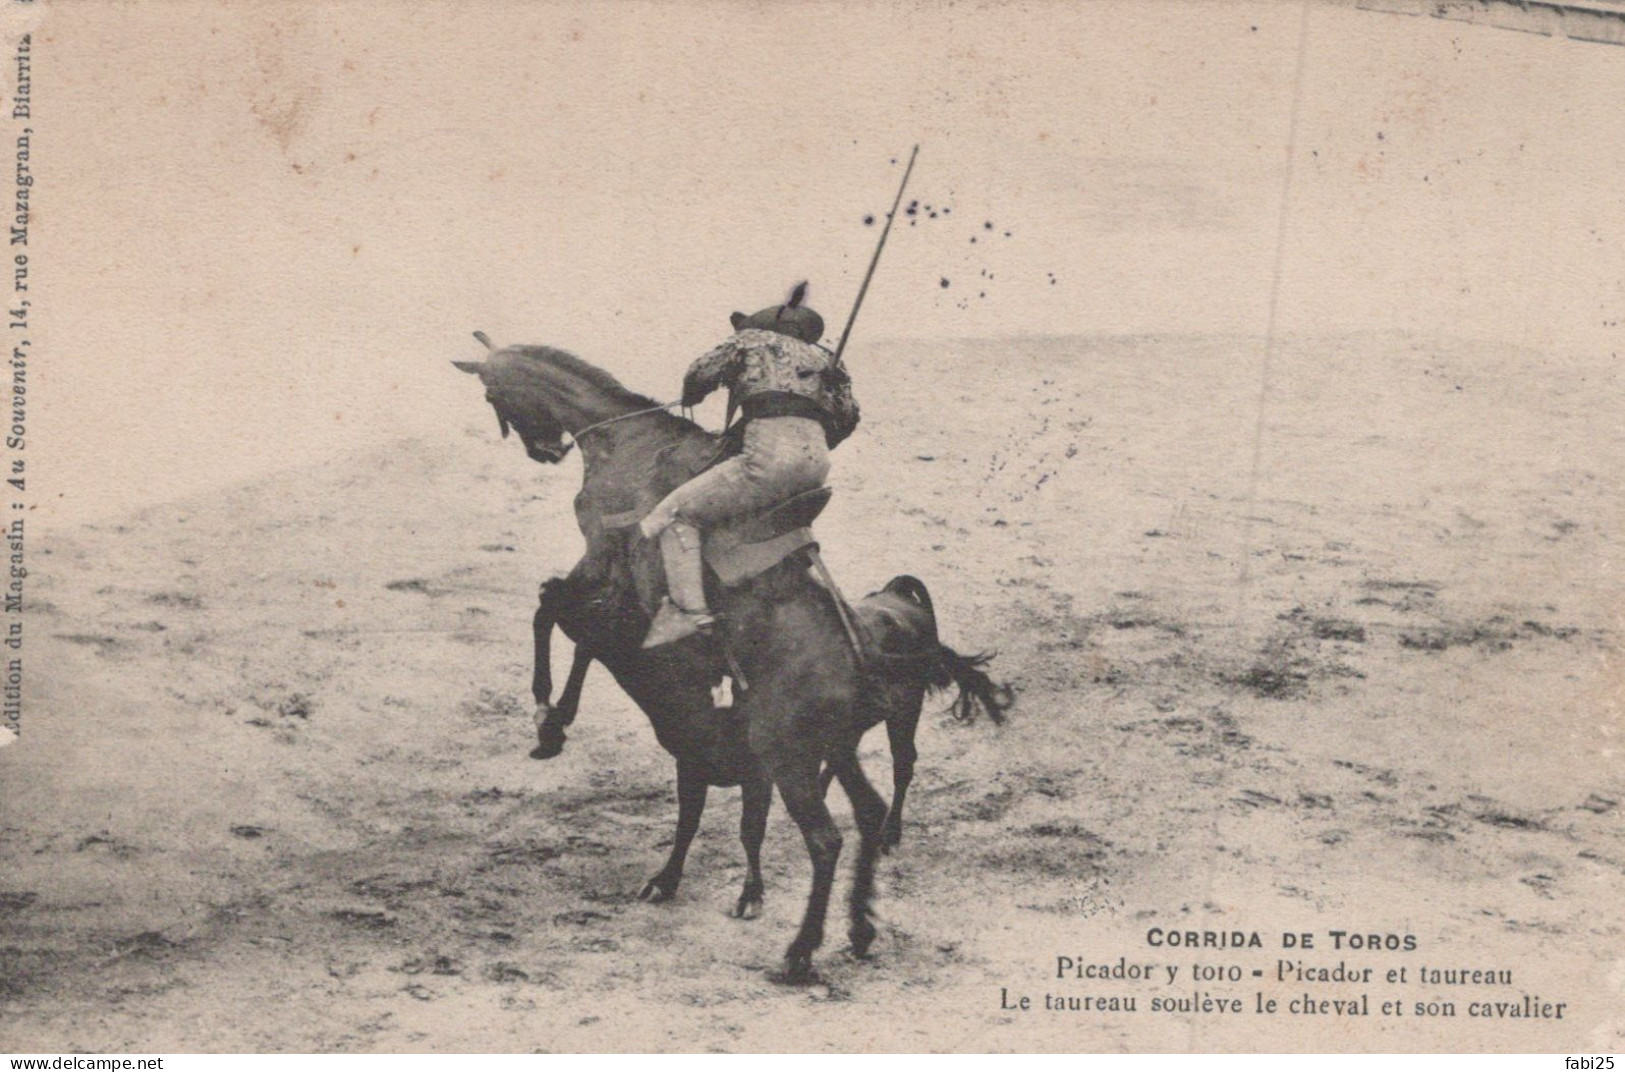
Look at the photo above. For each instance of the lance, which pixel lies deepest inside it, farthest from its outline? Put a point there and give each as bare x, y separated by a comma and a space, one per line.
870, 274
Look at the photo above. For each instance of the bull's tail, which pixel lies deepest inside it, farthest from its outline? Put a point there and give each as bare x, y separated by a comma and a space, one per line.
977, 691
941, 667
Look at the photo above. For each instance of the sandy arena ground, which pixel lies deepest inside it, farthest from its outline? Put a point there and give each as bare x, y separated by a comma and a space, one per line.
273, 791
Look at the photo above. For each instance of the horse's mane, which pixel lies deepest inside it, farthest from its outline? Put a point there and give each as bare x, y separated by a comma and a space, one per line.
589, 372
535, 360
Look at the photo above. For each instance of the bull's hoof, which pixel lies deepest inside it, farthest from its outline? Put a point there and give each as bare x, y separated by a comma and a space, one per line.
862, 936
658, 889
749, 906
547, 749
797, 971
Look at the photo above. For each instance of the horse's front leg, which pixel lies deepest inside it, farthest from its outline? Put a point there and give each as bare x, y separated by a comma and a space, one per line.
550, 722
551, 719
756, 800
570, 699
870, 812
690, 805
796, 777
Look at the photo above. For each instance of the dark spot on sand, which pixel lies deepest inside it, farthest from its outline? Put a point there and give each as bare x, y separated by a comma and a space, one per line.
943, 282
298, 705
504, 972
1275, 682
1508, 822
869, 220
366, 918
148, 945
175, 599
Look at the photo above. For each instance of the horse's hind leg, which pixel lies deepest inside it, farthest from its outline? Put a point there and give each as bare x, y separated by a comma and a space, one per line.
757, 799
870, 812
690, 805
799, 789
900, 729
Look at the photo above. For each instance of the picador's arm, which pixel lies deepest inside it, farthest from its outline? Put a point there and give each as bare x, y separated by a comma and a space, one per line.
842, 407
710, 372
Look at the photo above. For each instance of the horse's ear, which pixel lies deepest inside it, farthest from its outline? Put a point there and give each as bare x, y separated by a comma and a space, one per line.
470, 366
738, 321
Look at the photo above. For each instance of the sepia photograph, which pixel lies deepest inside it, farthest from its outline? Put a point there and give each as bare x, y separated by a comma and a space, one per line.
718, 526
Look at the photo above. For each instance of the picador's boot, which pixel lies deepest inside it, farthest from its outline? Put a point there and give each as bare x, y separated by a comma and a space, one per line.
683, 612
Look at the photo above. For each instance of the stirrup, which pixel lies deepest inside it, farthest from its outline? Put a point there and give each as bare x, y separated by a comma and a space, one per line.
672, 623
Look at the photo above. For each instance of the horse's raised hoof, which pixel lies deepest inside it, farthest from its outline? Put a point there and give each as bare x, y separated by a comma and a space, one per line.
862, 937
658, 889
797, 971
749, 906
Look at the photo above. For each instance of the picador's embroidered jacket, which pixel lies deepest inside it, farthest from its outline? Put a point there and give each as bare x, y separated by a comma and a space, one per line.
774, 375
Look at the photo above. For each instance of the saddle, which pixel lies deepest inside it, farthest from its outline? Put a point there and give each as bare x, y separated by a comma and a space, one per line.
739, 550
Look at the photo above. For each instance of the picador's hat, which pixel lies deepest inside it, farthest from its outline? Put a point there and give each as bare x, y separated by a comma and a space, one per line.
792, 318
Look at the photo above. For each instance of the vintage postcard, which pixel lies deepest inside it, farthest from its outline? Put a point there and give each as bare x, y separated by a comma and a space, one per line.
728, 526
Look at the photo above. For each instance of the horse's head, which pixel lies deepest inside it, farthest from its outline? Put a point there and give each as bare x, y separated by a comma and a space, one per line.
520, 405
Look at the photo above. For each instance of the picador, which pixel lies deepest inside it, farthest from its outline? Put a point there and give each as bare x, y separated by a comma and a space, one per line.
794, 403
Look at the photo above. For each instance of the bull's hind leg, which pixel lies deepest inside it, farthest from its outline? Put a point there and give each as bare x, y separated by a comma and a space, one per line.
798, 786
900, 729
757, 799
870, 812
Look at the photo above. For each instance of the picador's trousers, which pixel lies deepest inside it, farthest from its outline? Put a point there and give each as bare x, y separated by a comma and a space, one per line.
781, 458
